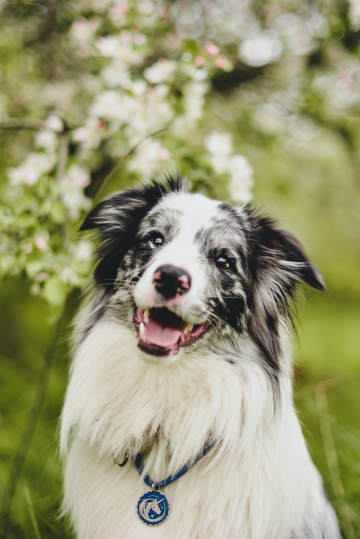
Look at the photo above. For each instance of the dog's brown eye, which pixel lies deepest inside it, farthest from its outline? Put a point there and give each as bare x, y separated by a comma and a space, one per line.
223, 263
155, 242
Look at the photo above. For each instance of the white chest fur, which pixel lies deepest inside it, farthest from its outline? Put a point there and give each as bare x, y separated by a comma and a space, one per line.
258, 483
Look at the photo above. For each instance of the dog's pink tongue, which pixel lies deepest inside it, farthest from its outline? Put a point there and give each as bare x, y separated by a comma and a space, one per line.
156, 333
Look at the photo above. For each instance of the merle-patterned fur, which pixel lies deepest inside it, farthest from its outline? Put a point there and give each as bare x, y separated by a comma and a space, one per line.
121, 401
117, 219
267, 263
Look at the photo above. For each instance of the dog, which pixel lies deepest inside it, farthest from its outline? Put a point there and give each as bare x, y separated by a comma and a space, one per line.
179, 411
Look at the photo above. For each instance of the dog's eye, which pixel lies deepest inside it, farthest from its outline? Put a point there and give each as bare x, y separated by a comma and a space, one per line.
155, 242
223, 263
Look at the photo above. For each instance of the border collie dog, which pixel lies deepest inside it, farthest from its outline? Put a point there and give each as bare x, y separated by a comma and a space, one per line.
182, 377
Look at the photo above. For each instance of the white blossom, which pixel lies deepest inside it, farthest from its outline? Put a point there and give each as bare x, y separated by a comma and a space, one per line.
121, 48
341, 88
194, 100
161, 71
41, 244
99, 6
219, 144
81, 250
118, 11
47, 140
211, 49
301, 43
138, 87
69, 276
152, 111
115, 75
288, 24
318, 26
78, 176
140, 39
72, 191
200, 75
241, 179
262, 49
31, 170
354, 14
113, 105
91, 134
108, 46
55, 123
149, 159
82, 33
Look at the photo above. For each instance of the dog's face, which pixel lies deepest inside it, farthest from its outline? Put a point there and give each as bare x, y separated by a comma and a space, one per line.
183, 270
189, 261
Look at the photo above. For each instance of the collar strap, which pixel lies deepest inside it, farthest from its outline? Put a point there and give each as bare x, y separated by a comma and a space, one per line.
161, 484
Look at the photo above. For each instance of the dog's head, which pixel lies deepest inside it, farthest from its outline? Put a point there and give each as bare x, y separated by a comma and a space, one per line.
182, 270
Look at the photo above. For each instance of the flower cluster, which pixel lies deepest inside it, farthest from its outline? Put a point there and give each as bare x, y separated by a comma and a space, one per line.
235, 167
141, 92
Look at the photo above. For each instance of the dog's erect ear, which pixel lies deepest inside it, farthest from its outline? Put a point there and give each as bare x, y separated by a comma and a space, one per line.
117, 219
121, 204
96, 217
277, 264
278, 255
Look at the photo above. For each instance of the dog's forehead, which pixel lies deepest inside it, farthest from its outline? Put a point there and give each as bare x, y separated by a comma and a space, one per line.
192, 212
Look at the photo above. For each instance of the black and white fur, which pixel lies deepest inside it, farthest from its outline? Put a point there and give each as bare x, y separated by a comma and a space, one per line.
232, 385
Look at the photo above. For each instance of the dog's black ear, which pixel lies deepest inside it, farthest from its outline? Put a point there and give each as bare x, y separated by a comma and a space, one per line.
277, 265
135, 199
278, 257
95, 217
117, 219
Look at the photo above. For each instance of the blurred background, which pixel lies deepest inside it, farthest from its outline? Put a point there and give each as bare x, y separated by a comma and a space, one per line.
252, 101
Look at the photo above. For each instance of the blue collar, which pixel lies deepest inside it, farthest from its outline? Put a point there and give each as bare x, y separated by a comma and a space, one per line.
140, 468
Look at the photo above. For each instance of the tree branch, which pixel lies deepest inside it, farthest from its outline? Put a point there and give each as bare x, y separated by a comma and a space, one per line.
22, 123
122, 159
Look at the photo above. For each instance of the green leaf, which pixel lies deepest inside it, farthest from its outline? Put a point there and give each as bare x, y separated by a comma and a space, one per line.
34, 267
82, 267
26, 220
228, 65
32, 513
55, 291
57, 213
6, 261
192, 46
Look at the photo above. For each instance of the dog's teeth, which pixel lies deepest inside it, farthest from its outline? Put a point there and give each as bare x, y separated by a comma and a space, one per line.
142, 329
146, 315
188, 328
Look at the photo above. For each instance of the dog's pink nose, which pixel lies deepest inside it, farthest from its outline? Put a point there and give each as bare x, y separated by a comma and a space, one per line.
170, 280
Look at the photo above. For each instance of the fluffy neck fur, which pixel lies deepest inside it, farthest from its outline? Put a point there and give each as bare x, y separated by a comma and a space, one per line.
116, 404
172, 409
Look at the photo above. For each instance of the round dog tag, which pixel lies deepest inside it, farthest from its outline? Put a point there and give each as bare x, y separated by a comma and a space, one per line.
153, 508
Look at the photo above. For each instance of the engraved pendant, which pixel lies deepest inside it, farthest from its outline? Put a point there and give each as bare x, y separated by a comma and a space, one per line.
153, 508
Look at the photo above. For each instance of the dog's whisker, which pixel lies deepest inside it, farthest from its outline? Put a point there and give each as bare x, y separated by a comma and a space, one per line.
217, 317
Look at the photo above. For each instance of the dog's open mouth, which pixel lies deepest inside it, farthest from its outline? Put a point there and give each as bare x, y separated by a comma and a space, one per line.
161, 332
